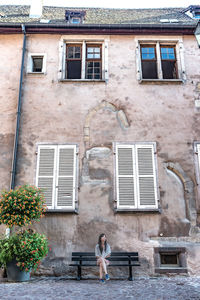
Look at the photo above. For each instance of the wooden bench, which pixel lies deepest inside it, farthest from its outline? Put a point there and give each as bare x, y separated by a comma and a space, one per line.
117, 259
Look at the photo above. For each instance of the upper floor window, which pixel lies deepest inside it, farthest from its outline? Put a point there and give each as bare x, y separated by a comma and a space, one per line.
36, 63
74, 16
160, 61
136, 179
83, 60
151, 59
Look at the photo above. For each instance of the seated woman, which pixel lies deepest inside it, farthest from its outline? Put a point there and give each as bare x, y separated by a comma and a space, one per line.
102, 251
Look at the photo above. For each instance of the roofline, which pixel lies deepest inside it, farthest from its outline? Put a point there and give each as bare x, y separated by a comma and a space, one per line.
13, 28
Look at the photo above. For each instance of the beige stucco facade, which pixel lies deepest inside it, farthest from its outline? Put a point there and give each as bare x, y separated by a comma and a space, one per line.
55, 111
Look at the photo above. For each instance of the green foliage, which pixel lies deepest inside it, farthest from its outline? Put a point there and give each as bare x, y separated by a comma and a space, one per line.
21, 206
27, 247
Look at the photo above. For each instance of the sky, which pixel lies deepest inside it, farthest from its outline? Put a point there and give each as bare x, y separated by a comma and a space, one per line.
108, 3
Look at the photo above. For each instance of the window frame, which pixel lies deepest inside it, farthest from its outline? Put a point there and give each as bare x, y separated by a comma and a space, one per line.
88, 45
74, 59
179, 52
54, 207
137, 207
30, 62
103, 42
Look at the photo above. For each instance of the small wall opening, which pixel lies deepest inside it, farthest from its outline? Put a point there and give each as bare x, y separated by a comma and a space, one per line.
170, 260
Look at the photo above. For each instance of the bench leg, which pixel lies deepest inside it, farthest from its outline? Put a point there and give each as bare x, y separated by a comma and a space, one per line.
79, 273
130, 274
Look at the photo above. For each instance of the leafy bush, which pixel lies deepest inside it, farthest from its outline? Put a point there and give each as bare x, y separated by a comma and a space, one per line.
21, 206
27, 247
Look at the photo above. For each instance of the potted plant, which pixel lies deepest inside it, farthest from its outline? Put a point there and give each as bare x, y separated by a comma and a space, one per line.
22, 251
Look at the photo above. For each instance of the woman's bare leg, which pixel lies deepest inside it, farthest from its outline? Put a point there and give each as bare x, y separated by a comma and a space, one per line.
100, 271
104, 265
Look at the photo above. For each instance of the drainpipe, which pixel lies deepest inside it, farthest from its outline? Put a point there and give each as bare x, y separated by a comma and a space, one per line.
14, 161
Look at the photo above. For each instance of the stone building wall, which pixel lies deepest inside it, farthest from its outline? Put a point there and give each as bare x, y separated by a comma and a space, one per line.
120, 110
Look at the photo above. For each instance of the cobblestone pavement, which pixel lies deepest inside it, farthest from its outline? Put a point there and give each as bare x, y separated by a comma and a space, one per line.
164, 288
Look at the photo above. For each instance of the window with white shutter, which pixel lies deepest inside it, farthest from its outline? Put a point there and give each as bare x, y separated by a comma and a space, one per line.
56, 175
136, 176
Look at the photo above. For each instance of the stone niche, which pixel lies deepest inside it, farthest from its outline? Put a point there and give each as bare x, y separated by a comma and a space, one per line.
170, 260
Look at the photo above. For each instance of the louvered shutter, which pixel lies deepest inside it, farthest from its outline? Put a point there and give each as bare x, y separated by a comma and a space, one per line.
146, 177
126, 189
46, 173
66, 171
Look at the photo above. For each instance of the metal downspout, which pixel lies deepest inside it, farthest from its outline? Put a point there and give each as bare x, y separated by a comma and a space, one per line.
15, 150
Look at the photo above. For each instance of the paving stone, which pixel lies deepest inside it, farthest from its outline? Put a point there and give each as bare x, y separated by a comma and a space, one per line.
163, 288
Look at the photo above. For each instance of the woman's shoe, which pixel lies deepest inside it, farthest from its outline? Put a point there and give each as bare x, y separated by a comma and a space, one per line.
101, 280
107, 277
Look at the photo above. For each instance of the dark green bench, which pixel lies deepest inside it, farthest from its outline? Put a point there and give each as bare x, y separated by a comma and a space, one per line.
117, 259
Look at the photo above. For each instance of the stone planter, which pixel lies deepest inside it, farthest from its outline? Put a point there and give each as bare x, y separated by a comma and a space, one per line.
15, 274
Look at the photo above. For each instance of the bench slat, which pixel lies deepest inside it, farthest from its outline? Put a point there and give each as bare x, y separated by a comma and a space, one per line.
113, 253
110, 258
111, 265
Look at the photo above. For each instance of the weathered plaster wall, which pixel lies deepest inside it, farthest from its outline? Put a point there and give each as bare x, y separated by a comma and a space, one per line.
56, 112
10, 63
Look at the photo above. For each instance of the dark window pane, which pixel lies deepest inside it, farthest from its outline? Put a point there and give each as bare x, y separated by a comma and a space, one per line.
73, 52
73, 69
97, 64
97, 76
169, 259
149, 70
37, 64
169, 69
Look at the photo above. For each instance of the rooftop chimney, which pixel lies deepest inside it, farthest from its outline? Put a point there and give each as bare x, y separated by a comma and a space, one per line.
36, 9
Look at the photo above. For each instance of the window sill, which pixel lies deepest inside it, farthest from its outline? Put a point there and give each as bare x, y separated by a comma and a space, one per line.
163, 81
148, 210
178, 270
82, 80
72, 211
36, 73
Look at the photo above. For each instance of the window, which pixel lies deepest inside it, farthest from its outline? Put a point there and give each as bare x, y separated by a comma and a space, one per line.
76, 20
168, 62
56, 175
149, 63
74, 16
170, 260
163, 60
36, 63
93, 62
84, 61
136, 176
73, 61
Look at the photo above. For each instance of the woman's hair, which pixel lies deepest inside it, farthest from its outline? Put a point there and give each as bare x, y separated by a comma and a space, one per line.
99, 242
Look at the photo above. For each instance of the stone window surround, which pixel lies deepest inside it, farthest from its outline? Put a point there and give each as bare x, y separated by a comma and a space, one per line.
30, 63
136, 210
177, 42
180, 251
83, 40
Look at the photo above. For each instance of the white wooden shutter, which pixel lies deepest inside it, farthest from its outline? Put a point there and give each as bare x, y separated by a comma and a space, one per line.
125, 175
146, 176
66, 177
45, 178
